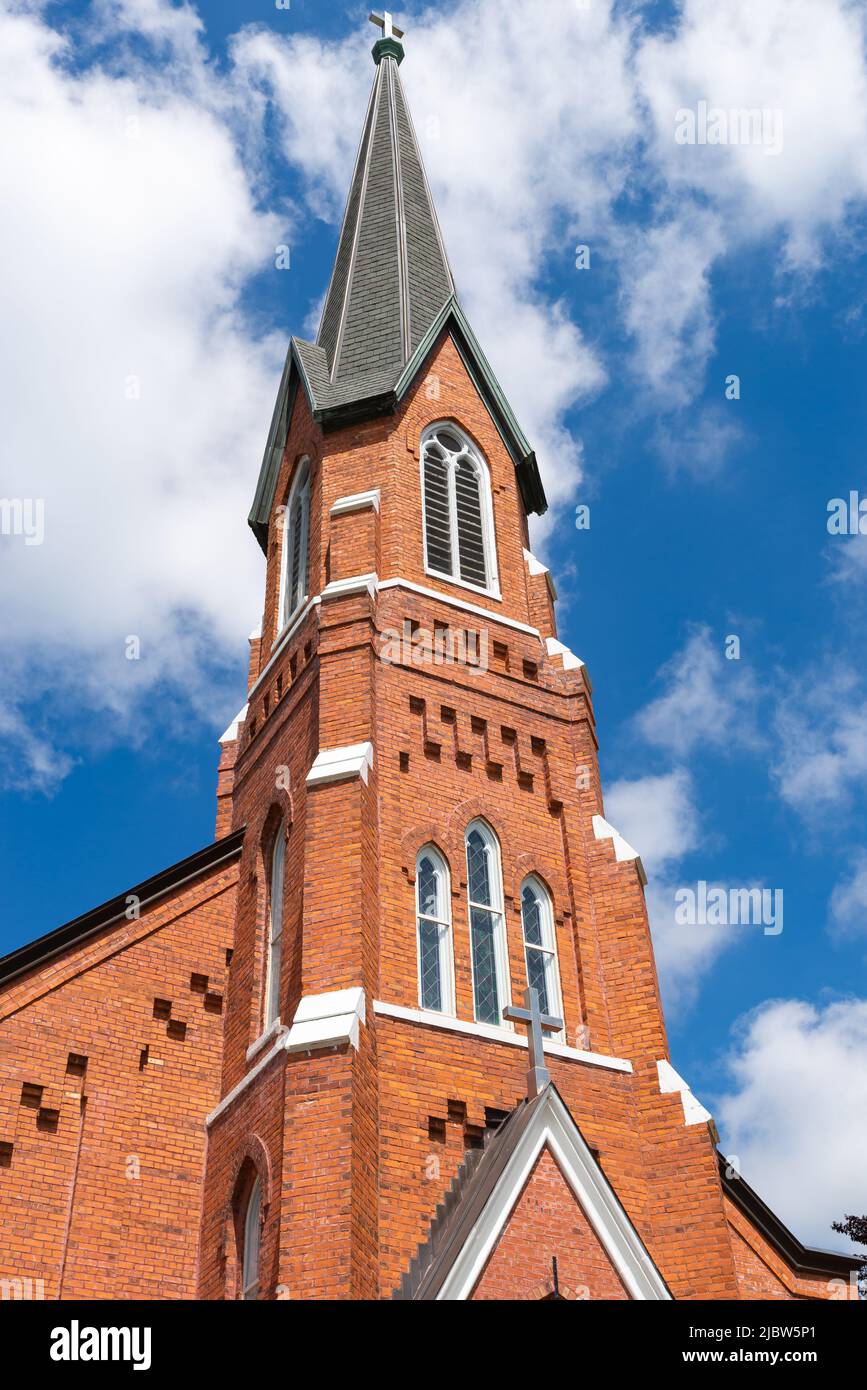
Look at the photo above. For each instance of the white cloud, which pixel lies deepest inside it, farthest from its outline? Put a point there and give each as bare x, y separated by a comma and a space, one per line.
122, 264
659, 817
803, 58
849, 903
795, 1114
709, 701
822, 733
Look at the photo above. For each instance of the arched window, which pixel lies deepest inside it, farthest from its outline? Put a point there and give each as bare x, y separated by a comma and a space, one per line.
540, 945
252, 1231
275, 930
296, 531
458, 516
433, 912
487, 925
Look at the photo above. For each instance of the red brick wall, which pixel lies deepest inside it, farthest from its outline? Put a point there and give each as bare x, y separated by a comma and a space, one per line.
548, 1223
106, 1204
763, 1273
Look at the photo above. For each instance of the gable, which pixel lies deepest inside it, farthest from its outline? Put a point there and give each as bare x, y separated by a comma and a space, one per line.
505, 1179
546, 1224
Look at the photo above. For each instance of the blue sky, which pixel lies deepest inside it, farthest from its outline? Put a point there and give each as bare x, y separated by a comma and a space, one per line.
158, 154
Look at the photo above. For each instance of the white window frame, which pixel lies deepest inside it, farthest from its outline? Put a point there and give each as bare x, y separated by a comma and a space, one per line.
496, 908
489, 541
444, 925
274, 955
252, 1243
548, 948
300, 485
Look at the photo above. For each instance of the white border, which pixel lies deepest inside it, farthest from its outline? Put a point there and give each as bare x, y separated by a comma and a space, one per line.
428, 1019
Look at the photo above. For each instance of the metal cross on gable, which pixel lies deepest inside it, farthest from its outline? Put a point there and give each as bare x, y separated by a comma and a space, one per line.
385, 24
538, 1075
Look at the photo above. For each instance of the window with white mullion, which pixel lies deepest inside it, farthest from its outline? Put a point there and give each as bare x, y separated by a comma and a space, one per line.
487, 925
252, 1235
433, 913
275, 932
296, 542
540, 947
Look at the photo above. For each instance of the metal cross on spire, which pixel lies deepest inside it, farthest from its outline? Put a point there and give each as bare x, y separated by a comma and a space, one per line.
385, 24
538, 1075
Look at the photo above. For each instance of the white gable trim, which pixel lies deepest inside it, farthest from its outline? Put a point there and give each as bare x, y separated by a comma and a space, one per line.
553, 1127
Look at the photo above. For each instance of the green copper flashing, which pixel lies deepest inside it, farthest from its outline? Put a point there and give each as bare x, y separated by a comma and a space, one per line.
388, 48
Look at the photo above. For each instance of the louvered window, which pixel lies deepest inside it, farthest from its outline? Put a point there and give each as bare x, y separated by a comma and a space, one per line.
487, 926
433, 911
296, 528
458, 524
540, 947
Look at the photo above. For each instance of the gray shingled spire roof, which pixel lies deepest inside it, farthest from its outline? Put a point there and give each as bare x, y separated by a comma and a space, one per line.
391, 296
391, 276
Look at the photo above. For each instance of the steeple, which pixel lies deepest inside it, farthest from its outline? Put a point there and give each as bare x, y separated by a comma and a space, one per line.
391, 277
391, 296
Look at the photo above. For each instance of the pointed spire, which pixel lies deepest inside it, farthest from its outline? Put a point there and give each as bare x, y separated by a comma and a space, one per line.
391, 276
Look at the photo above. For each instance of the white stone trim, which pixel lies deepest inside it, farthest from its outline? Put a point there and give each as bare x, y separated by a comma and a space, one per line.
256, 633
490, 1033
571, 662
358, 502
321, 1020
536, 567
327, 1020
282, 638
552, 1127
277, 1028
337, 764
231, 733
458, 603
623, 851
356, 584
670, 1081
245, 1082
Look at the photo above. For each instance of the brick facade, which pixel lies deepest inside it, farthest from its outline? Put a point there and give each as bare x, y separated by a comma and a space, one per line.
355, 1145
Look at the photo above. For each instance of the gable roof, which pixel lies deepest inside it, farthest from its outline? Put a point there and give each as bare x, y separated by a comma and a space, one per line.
486, 1190
306, 366
35, 953
391, 296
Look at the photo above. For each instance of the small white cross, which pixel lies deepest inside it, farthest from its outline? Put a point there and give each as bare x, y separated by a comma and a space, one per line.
385, 24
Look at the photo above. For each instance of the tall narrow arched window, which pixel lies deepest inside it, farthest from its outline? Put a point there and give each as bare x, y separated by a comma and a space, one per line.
296, 534
433, 913
252, 1232
458, 515
487, 924
540, 945
275, 931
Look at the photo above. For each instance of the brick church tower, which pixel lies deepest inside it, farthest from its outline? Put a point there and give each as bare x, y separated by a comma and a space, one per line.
322, 1053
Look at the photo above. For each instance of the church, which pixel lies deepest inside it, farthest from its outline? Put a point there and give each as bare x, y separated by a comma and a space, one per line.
396, 1033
